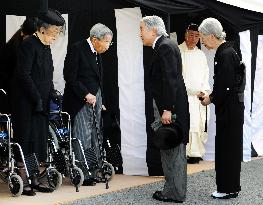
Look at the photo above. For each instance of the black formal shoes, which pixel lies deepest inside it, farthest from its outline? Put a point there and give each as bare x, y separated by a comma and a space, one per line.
194, 160
160, 197
89, 182
28, 191
218, 195
42, 188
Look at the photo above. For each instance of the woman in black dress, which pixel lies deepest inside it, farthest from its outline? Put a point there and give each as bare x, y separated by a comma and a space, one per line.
9, 59
33, 88
229, 109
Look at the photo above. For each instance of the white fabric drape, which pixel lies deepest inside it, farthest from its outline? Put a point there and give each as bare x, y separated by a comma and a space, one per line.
245, 47
257, 111
58, 49
131, 91
211, 127
253, 5
13, 23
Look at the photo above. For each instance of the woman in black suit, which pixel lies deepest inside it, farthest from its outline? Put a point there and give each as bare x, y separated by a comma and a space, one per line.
9, 59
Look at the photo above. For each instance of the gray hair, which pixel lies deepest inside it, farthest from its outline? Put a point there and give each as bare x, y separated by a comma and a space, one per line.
155, 22
212, 26
99, 31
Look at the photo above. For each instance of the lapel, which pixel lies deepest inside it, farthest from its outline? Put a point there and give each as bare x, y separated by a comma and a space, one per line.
158, 42
91, 57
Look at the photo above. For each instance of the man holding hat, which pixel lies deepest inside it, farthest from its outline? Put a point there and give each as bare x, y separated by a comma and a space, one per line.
196, 75
169, 93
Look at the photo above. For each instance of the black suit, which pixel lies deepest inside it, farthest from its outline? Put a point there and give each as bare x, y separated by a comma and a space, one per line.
167, 83
169, 93
82, 76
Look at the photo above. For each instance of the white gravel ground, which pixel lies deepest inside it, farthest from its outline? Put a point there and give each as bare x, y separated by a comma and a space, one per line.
200, 187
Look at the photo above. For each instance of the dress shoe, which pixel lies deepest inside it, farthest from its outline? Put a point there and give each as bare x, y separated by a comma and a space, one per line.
89, 182
42, 188
194, 160
160, 197
28, 192
218, 195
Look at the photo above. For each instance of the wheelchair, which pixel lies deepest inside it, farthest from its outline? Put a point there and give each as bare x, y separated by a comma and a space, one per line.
11, 153
8, 169
60, 143
68, 154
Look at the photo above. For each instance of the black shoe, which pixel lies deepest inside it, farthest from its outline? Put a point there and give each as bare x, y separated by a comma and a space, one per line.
160, 197
193, 160
218, 195
89, 182
42, 188
28, 192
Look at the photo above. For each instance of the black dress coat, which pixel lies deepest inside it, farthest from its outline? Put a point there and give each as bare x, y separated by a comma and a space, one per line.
82, 76
8, 61
229, 120
31, 91
167, 84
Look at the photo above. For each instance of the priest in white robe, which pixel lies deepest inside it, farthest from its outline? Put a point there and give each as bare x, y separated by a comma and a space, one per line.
196, 77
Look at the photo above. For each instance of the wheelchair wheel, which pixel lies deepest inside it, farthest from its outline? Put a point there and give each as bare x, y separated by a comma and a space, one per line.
76, 176
15, 185
106, 172
4, 177
54, 178
53, 136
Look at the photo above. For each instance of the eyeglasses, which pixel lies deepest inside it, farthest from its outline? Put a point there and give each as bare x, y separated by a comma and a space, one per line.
53, 32
109, 43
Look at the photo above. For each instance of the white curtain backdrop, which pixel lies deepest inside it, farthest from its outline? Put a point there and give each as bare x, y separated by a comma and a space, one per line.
58, 49
13, 23
254, 5
257, 111
245, 47
131, 91
211, 126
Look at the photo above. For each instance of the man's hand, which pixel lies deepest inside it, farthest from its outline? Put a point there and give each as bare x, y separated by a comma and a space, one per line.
91, 99
200, 94
206, 100
103, 108
167, 117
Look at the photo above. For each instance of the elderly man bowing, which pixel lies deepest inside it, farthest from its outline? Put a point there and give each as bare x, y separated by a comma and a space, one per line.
83, 89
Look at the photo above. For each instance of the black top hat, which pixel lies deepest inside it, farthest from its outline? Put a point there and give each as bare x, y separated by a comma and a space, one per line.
167, 136
52, 17
192, 27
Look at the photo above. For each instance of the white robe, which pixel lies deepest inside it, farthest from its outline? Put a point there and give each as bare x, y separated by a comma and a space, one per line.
196, 74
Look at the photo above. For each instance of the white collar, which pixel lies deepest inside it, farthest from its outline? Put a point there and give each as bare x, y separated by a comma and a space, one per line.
153, 46
91, 46
184, 47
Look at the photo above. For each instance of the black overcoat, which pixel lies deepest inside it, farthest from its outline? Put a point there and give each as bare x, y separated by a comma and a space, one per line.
229, 120
167, 84
31, 90
82, 76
